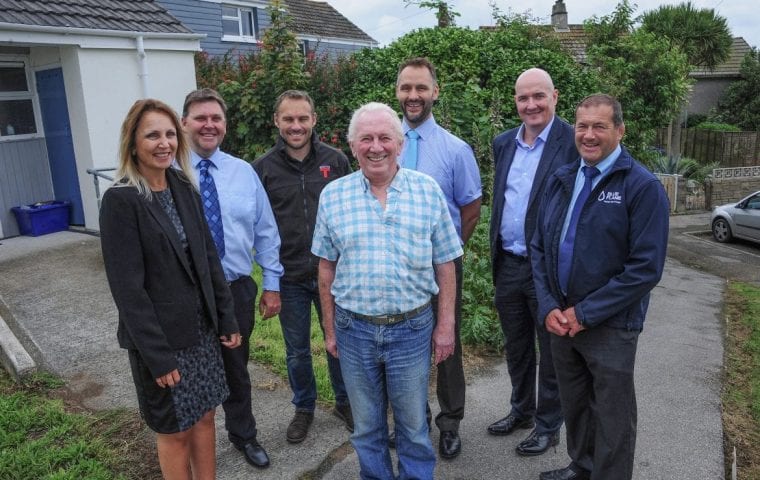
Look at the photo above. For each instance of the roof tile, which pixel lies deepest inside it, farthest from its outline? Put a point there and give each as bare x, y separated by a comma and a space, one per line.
574, 42
123, 15
320, 19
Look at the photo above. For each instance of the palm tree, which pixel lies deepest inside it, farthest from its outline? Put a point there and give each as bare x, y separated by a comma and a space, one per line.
701, 34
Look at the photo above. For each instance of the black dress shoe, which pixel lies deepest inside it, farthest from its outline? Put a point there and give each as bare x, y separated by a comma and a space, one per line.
509, 424
566, 473
537, 443
254, 454
449, 444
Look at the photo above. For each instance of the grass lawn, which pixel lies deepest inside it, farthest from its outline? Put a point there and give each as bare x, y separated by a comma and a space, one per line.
268, 347
741, 392
44, 437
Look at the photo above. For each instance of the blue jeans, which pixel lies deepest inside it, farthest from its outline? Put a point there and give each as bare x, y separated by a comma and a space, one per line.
295, 320
382, 363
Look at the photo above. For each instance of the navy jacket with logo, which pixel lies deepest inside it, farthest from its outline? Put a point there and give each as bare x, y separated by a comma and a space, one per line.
620, 245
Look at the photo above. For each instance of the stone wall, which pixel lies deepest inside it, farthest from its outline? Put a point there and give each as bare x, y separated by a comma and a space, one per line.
731, 185
684, 195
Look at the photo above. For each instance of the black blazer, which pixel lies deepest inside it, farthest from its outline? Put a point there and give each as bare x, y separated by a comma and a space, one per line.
150, 277
559, 150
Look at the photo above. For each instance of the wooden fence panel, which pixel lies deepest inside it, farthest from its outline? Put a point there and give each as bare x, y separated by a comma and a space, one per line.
729, 149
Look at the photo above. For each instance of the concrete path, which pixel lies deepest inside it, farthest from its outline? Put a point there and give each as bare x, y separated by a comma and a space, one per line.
54, 298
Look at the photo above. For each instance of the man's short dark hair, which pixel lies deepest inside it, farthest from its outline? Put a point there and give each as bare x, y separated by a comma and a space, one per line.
603, 99
201, 96
293, 95
418, 62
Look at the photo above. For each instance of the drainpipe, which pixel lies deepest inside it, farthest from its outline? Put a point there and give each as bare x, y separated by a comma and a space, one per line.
143, 58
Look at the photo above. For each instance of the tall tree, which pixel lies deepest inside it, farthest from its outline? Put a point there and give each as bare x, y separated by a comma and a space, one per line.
648, 77
700, 33
444, 12
740, 104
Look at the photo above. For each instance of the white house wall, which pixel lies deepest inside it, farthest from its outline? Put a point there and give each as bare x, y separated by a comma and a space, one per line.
101, 86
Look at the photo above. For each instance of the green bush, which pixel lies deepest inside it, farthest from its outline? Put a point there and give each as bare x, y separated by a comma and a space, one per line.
718, 127
480, 324
688, 167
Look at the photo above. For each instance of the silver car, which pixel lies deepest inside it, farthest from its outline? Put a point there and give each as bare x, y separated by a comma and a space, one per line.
737, 220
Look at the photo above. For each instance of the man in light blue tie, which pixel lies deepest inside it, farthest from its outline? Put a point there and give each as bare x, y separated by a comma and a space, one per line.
596, 256
241, 222
432, 150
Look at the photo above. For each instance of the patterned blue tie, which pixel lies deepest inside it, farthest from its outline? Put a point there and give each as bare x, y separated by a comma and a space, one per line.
566, 248
211, 206
410, 155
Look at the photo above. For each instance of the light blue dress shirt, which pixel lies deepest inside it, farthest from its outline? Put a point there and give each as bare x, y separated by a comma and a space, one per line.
385, 256
450, 161
522, 172
247, 218
604, 168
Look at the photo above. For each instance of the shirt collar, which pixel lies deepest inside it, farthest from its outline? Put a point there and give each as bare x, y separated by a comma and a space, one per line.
395, 183
542, 136
215, 158
425, 129
605, 165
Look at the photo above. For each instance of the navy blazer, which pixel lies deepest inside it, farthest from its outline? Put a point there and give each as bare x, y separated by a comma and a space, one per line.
151, 279
559, 150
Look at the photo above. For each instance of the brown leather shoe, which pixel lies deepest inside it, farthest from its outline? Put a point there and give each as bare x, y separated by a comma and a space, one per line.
509, 424
299, 427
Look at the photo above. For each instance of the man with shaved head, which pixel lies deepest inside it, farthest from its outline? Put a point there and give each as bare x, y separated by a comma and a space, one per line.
524, 158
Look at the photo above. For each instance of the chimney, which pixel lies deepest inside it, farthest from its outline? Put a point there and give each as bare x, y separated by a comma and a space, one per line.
559, 17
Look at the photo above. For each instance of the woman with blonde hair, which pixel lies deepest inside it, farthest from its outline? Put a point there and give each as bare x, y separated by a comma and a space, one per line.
175, 309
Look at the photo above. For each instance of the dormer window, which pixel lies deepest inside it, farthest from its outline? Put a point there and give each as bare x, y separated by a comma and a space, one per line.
240, 23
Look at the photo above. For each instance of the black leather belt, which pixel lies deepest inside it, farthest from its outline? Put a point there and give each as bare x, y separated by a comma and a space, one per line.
239, 279
509, 254
391, 318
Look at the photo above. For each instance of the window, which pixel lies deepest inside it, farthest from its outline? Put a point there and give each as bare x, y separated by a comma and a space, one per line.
16, 105
239, 23
304, 44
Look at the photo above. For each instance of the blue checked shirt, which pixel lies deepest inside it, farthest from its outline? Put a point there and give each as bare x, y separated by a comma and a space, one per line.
247, 219
384, 257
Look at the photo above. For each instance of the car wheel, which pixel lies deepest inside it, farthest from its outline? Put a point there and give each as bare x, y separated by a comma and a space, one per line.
721, 230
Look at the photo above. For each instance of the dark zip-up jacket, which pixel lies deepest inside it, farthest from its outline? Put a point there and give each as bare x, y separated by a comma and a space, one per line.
293, 188
619, 251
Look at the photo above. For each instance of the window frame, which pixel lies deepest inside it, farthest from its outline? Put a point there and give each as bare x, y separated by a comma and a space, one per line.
29, 94
251, 10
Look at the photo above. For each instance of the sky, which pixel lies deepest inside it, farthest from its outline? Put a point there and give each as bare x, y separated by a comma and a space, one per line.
387, 20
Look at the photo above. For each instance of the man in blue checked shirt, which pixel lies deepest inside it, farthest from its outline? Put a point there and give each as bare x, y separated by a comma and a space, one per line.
248, 226
386, 244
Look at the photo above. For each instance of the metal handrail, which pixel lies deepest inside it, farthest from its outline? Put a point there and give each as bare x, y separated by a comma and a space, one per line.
97, 173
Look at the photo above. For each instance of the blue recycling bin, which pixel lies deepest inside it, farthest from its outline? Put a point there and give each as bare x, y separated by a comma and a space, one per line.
42, 218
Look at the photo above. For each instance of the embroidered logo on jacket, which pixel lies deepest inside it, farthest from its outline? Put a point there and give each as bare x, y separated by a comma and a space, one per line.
610, 197
325, 169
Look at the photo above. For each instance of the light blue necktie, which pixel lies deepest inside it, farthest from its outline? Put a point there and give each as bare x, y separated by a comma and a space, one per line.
211, 207
566, 248
410, 154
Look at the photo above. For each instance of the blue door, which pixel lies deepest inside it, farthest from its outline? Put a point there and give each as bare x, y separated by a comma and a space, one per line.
60, 147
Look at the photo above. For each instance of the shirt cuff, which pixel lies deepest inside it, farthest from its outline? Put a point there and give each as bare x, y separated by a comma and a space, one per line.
271, 283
